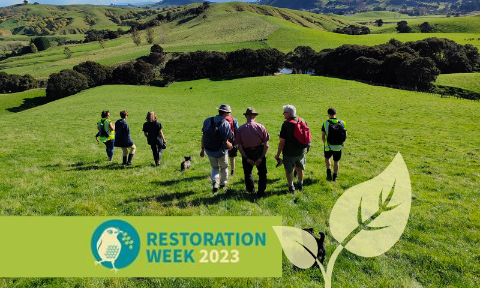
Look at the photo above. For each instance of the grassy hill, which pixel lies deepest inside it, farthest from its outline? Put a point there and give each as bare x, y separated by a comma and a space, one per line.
227, 27
62, 171
467, 81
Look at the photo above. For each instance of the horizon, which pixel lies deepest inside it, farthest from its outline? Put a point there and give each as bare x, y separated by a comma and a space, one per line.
6, 3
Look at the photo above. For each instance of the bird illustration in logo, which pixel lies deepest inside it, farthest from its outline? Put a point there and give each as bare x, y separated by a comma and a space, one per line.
108, 246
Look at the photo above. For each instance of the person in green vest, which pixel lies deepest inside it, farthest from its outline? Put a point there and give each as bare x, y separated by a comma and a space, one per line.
106, 133
334, 133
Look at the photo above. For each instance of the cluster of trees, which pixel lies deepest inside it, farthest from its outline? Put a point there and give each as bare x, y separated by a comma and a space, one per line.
11, 83
41, 26
206, 64
353, 30
91, 74
97, 35
412, 64
129, 15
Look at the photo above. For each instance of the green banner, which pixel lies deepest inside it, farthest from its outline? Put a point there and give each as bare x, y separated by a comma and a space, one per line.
140, 247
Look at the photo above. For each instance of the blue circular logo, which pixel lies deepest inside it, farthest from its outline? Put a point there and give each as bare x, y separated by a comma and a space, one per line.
115, 244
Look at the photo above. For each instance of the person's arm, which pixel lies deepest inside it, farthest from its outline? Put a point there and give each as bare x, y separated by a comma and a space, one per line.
264, 152
202, 153
112, 127
323, 137
281, 144
163, 137
244, 155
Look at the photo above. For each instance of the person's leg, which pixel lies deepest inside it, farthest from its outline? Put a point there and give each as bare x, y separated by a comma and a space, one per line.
300, 168
288, 164
125, 153
247, 172
109, 148
223, 162
155, 153
327, 155
160, 151
232, 165
262, 177
215, 170
337, 155
130, 156
232, 154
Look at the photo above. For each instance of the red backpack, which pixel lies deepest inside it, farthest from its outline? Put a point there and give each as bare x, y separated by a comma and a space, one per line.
301, 133
232, 127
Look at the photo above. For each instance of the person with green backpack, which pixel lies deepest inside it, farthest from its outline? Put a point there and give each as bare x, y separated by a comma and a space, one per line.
334, 133
106, 132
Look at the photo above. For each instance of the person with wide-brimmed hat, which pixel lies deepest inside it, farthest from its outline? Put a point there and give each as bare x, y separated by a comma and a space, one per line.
215, 143
252, 139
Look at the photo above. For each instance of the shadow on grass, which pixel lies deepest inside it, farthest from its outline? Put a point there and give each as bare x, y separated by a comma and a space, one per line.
29, 103
171, 182
113, 166
226, 78
161, 198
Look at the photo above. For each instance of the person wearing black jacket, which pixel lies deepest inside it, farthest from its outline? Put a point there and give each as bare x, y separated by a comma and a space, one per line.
122, 138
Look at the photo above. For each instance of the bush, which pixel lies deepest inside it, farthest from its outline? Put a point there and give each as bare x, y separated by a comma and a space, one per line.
42, 43
11, 83
65, 83
96, 73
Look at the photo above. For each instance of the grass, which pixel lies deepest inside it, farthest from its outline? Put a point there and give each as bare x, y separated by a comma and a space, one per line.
467, 81
60, 170
16, 100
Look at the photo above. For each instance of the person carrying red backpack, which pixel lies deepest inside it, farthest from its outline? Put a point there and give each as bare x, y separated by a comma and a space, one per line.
295, 141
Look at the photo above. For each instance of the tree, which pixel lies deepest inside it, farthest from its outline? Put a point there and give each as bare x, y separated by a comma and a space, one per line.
42, 43
65, 83
156, 56
136, 36
301, 59
379, 22
96, 73
418, 73
150, 35
425, 27
102, 43
402, 27
67, 52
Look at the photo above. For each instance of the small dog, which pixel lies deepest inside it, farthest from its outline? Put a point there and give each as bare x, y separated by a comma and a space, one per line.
320, 243
185, 164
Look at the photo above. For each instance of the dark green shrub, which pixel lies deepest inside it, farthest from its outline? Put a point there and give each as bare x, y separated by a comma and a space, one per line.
65, 83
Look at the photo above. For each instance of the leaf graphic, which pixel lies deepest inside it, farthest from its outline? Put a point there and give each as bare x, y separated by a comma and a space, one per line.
299, 246
369, 218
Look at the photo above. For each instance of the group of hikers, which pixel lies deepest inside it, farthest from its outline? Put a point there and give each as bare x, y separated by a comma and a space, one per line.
222, 139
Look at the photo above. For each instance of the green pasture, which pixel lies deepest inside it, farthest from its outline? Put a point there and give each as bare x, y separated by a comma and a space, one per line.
51, 165
467, 81
16, 100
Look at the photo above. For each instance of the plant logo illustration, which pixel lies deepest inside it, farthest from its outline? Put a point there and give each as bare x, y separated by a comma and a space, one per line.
115, 244
367, 220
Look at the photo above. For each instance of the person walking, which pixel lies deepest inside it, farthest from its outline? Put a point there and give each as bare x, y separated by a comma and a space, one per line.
252, 139
294, 153
215, 143
106, 132
334, 133
152, 129
122, 138
234, 151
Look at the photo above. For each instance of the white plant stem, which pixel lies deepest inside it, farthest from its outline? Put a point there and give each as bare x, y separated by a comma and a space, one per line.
327, 277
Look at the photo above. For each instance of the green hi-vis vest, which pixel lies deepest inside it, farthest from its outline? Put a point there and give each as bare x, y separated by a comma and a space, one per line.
329, 147
106, 126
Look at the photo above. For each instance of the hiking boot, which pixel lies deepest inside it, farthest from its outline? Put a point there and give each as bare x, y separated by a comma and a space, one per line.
157, 163
329, 175
300, 187
260, 195
231, 173
109, 159
130, 157
223, 187
214, 190
291, 189
124, 160
334, 177
251, 191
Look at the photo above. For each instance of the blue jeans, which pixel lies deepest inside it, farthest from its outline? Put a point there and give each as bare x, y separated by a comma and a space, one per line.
109, 147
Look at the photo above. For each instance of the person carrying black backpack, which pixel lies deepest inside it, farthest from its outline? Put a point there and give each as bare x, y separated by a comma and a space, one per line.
334, 133
215, 142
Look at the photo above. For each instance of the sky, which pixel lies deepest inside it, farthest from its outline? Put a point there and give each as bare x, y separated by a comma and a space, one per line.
98, 2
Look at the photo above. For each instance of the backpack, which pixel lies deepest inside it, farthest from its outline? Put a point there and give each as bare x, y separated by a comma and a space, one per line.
301, 132
101, 129
232, 127
212, 139
336, 133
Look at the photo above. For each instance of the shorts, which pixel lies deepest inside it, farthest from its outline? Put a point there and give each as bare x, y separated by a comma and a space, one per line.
294, 161
337, 155
233, 152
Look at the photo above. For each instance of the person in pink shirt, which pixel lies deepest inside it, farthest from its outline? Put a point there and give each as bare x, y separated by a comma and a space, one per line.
252, 139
